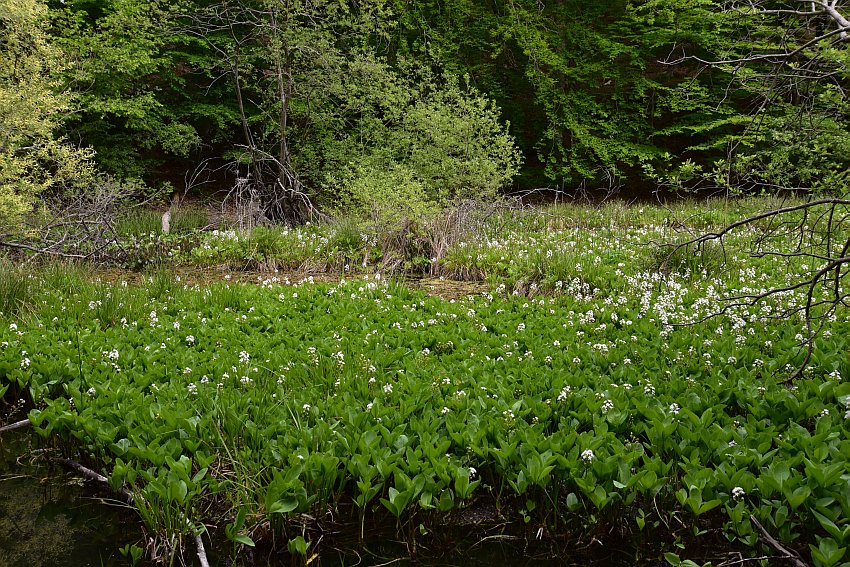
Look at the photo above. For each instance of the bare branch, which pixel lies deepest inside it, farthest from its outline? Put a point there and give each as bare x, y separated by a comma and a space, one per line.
813, 225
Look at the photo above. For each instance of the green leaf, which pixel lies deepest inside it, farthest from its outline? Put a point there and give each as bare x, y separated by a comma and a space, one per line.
298, 546
284, 505
244, 540
573, 503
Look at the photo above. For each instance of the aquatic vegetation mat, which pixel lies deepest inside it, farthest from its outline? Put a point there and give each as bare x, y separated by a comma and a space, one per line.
264, 412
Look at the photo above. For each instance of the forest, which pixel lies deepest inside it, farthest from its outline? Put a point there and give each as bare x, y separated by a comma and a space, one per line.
303, 108
425, 282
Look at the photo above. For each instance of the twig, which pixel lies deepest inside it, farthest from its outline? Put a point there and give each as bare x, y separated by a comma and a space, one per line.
396, 560
16, 425
742, 560
787, 554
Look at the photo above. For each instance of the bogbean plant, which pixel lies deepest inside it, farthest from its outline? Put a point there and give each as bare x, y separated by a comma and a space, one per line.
583, 410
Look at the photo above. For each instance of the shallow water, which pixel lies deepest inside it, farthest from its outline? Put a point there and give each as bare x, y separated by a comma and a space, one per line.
49, 518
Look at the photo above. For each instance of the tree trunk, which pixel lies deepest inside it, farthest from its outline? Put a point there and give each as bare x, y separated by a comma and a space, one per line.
284, 202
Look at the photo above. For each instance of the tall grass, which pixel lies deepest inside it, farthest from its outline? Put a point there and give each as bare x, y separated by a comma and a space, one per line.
17, 290
139, 222
65, 278
189, 219
142, 221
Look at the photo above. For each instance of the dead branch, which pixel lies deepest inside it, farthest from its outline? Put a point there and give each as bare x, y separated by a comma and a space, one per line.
80, 225
788, 555
17, 425
815, 228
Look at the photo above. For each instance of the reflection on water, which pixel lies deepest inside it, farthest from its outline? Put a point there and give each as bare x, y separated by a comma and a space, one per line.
47, 519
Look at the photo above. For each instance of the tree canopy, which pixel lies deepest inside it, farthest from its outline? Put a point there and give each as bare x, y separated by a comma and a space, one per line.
300, 103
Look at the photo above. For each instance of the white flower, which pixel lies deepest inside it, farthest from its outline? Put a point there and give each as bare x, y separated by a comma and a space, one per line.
190, 340
674, 409
13, 327
306, 407
25, 363
244, 357
472, 472
369, 406
388, 388
445, 410
738, 493
607, 406
587, 456
91, 392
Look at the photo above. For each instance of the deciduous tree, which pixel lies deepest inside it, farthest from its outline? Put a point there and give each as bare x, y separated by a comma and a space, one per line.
32, 159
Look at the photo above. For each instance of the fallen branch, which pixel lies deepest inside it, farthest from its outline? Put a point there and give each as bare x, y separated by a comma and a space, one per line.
129, 499
97, 477
202, 553
787, 554
17, 425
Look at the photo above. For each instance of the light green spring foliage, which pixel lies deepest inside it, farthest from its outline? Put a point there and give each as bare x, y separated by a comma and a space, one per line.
454, 140
31, 159
433, 141
386, 196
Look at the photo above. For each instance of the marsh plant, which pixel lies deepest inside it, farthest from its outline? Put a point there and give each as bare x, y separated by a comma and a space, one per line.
603, 397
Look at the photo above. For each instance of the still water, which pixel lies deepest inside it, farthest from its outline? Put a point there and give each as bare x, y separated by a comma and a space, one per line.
48, 518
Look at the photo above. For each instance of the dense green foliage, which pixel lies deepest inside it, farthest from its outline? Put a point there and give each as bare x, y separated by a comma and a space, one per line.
419, 102
586, 409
